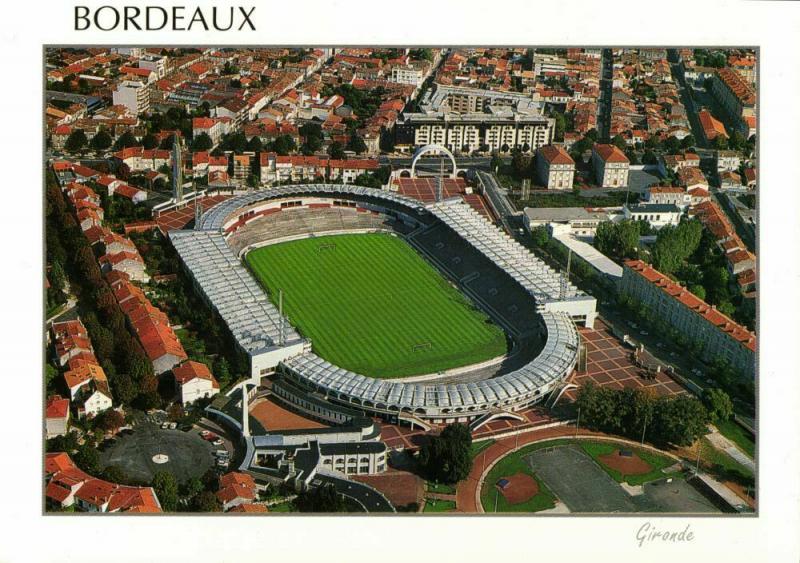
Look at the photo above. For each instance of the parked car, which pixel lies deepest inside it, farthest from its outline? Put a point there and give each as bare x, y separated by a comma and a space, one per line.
173, 425
218, 442
164, 425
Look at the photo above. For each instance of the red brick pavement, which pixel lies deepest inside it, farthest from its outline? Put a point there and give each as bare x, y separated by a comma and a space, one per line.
609, 364
179, 218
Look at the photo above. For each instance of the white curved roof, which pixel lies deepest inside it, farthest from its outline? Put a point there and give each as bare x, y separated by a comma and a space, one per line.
553, 363
255, 322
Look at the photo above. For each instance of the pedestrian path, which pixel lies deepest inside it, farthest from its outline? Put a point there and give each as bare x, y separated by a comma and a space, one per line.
721, 442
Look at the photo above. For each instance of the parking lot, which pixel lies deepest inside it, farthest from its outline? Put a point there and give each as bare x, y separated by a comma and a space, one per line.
188, 454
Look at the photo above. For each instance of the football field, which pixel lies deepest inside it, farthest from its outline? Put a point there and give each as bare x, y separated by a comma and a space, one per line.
370, 304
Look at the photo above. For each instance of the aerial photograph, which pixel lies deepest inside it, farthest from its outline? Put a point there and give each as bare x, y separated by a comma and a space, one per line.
400, 280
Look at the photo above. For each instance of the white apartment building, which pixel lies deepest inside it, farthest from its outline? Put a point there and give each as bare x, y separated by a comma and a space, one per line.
154, 63
477, 131
407, 75
132, 94
716, 335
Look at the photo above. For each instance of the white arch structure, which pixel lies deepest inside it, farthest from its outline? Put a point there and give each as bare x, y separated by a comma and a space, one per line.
432, 148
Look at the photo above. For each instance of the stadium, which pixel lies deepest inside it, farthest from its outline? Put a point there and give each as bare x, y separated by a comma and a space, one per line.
248, 254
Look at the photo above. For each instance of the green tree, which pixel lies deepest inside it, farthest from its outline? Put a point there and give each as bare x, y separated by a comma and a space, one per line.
255, 144
688, 141
87, 458
718, 404
679, 420
166, 489
76, 141
149, 141
283, 145
111, 420
114, 474
698, 290
124, 389
127, 139
540, 236
336, 150
101, 141
206, 501
446, 458
202, 142
356, 144
496, 162
320, 499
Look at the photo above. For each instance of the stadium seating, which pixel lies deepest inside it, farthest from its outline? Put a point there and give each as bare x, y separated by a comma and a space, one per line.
494, 268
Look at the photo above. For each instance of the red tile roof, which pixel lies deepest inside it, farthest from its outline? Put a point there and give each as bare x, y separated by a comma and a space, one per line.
250, 507
190, 370
65, 475
555, 155
610, 153
57, 407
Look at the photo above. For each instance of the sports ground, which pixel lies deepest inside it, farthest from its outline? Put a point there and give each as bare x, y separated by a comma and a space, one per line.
370, 304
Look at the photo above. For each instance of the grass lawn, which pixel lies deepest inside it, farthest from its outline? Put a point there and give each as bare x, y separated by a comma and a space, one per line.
435, 505
723, 465
281, 507
440, 488
371, 304
657, 462
738, 435
510, 465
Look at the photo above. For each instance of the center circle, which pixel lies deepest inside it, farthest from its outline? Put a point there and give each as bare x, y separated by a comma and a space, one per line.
160, 458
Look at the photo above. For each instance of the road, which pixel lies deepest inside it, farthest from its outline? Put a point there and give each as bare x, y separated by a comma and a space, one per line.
498, 197
432, 163
606, 91
745, 231
687, 99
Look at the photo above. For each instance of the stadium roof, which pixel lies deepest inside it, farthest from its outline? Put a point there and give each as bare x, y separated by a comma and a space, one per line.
228, 286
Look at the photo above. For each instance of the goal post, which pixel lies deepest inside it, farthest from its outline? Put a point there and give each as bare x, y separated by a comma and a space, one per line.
326, 246
422, 346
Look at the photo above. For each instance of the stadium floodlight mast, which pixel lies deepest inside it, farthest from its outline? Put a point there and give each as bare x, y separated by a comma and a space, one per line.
645, 427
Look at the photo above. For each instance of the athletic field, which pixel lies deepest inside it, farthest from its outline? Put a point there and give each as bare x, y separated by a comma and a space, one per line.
372, 305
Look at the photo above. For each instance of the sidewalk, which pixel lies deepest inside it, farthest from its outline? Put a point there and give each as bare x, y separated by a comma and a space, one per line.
722, 443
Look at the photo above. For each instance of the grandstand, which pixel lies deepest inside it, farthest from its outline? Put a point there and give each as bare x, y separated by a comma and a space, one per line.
295, 222
527, 298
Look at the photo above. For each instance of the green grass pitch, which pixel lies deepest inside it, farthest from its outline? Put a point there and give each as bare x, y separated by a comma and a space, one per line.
372, 305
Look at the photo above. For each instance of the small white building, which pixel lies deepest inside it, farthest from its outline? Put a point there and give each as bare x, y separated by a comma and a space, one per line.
194, 381
658, 215
94, 399
675, 195
555, 168
611, 166
56, 416
728, 161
